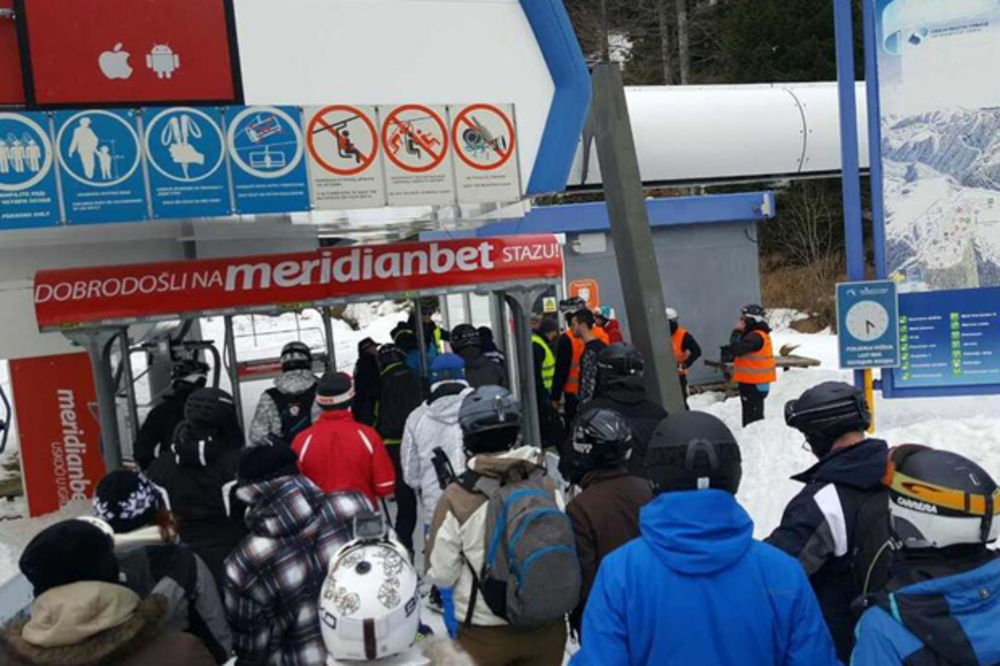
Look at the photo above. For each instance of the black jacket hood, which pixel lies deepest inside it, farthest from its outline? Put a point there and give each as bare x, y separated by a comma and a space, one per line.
861, 466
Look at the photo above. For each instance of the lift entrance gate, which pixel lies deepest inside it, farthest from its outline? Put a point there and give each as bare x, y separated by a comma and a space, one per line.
95, 306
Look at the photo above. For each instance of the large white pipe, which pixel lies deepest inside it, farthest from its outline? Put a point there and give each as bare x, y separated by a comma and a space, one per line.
691, 134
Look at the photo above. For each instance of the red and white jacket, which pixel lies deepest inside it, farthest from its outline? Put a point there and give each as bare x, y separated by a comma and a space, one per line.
339, 454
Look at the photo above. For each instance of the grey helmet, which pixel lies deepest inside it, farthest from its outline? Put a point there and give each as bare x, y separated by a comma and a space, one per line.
489, 408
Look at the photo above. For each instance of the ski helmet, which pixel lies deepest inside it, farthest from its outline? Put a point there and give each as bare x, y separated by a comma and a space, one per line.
447, 367
190, 371
693, 451
618, 361
389, 354
429, 305
296, 356
602, 438
570, 305
369, 602
826, 412
754, 313
490, 418
464, 336
939, 498
211, 407
671, 314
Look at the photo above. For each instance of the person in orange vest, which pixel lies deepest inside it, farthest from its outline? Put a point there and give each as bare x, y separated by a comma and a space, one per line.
569, 349
752, 354
686, 349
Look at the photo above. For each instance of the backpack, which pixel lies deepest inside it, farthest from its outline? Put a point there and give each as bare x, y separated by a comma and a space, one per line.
295, 410
873, 544
531, 574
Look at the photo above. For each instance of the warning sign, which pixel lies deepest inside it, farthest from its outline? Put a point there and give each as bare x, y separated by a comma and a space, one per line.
418, 166
345, 164
485, 144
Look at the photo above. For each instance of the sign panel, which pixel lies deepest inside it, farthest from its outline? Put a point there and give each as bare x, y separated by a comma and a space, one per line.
28, 191
485, 144
345, 165
56, 405
100, 159
11, 84
418, 165
267, 154
73, 297
867, 332
104, 52
588, 290
186, 153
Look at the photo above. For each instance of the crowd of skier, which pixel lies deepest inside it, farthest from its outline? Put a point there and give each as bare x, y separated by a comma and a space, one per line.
278, 550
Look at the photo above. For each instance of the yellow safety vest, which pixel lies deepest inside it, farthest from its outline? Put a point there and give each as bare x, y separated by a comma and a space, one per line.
548, 365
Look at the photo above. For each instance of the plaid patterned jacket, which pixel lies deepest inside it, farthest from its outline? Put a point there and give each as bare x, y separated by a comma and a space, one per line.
274, 577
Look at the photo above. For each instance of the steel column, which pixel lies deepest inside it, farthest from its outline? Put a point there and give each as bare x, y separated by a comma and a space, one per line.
234, 371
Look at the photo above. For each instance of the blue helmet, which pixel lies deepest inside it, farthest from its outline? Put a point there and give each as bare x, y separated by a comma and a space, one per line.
447, 367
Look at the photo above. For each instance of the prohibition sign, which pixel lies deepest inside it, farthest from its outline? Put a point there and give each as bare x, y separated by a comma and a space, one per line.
320, 126
403, 129
466, 122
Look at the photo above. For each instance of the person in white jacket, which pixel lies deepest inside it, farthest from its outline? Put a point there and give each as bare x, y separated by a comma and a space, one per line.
433, 431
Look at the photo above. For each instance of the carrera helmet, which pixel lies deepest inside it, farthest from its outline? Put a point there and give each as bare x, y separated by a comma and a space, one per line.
754, 313
369, 605
826, 412
693, 451
602, 439
296, 356
939, 499
464, 336
490, 418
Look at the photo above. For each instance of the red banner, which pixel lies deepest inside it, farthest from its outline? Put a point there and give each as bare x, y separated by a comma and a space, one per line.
56, 404
78, 296
11, 86
129, 52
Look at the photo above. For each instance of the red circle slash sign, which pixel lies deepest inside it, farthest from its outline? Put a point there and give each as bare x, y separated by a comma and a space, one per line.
494, 155
321, 126
400, 135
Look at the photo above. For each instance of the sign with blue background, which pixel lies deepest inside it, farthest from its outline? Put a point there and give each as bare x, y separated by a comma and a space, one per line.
267, 156
868, 333
186, 153
28, 191
100, 162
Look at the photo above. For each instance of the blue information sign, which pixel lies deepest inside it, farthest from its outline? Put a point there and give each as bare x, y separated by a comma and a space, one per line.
28, 191
186, 154
267, 155
868, 331
100, 161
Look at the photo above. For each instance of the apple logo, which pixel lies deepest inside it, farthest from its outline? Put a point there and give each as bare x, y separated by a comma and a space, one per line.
114, 63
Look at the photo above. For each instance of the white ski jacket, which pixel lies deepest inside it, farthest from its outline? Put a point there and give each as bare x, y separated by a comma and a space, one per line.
432, 425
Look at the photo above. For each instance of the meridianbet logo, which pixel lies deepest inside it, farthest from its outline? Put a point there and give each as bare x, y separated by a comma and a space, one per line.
68, 453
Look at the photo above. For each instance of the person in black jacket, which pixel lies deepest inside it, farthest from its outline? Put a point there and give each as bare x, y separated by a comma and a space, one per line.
198, 479
480, 370
400, 392
621, 388
365, 382
843, 499
157, 431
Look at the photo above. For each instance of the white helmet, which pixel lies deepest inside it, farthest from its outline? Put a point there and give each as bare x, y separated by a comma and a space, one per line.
671, 314
369, 603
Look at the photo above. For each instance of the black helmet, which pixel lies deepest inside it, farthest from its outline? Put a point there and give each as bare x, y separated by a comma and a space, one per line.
490, 418
571, 305
693, 451
464, 336
754, 312
826, 412
389, 354
601, 438
939, 499
210, 407
296, 356
620, 360
190, 371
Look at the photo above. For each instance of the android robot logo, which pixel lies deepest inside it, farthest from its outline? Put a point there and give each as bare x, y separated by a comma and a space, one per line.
163, 61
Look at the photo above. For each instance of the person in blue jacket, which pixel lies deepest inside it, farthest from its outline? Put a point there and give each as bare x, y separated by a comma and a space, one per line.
942, 602
696, 588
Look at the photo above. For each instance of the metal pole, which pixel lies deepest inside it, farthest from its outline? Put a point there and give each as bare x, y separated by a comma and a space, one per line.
234, 371
874, 137
331, 346
633, 241
106, 407
128, 378
467, 308
524, 378
851, 172
421, 340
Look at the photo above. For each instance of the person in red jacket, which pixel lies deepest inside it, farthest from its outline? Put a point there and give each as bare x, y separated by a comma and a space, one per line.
339, 454
605, 316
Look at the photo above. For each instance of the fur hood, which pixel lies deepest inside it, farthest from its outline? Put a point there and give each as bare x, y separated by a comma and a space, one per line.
101, 649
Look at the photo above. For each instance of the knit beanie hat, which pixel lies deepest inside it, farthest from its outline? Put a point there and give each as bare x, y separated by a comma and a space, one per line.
127, 501
69, 552
262, 463
447, 367
335, 390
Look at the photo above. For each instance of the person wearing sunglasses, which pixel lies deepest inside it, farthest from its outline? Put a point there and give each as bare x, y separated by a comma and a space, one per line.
942, 603
837, 524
